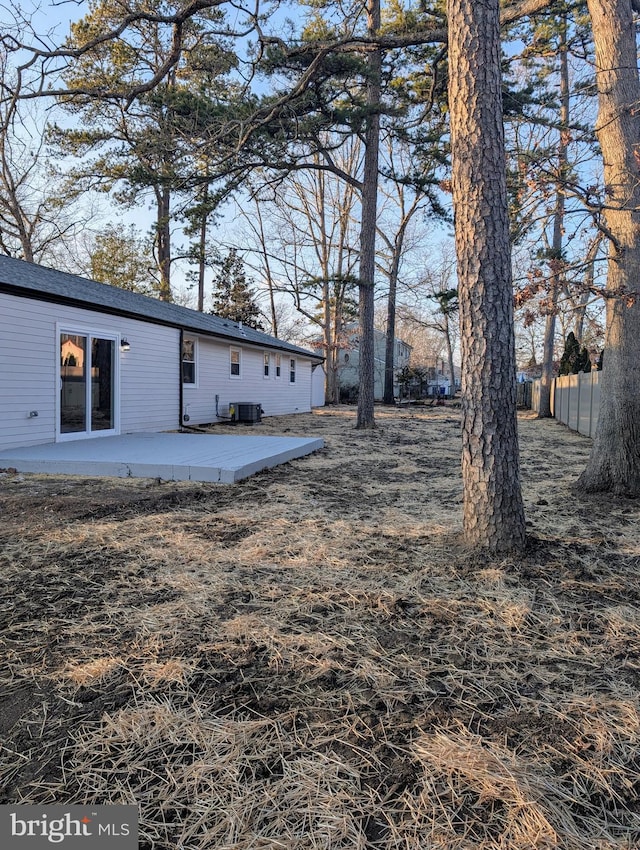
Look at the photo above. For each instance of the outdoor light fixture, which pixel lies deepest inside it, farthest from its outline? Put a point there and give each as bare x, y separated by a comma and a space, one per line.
124, 345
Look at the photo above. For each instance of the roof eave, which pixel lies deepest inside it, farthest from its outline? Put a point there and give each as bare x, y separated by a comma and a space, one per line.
69, 301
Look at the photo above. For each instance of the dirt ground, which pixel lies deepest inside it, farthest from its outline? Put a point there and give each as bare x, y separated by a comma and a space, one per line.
309, 659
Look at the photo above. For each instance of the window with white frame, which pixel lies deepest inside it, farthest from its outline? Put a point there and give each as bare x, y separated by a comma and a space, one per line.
292, 370
267, 364
278, 365
189, 354
235, 359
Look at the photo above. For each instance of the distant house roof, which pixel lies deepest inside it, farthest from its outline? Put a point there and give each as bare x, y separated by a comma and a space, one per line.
29, 280
353, 331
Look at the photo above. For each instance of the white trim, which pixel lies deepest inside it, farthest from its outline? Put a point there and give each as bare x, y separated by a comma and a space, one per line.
266, 365
237, 377
293, 368
89, 332
196, 363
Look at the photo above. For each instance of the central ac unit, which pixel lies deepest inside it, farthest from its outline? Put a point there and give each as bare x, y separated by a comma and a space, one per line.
244, 411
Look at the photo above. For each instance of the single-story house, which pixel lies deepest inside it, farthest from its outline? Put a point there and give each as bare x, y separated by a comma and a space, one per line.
83, 359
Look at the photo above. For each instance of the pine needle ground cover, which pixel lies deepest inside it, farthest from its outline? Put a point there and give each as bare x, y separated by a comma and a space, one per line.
309, 659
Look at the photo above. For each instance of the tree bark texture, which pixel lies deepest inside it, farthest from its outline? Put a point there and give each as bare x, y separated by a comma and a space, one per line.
368, 222
614, 463
202, 247
493, 509
163, 242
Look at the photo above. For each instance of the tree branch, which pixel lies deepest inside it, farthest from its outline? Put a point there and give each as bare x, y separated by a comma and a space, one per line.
427, 35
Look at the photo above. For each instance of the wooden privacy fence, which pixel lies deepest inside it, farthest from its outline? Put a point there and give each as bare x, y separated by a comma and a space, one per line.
575, 400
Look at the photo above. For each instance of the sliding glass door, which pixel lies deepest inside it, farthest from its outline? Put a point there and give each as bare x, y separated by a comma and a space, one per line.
87, 384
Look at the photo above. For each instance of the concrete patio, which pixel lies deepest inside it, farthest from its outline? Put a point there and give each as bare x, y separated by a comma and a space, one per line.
220, 458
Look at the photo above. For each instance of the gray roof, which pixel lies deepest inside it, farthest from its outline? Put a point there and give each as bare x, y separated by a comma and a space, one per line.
18, 277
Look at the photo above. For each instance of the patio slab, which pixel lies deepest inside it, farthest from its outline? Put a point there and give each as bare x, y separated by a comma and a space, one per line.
222, 458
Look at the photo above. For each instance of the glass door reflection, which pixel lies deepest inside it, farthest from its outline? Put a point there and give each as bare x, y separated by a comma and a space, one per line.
73, 383
87, 384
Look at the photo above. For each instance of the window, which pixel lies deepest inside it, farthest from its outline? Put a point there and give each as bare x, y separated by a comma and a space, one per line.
188, 360
278, 365
234, 354
292, 371
267, 364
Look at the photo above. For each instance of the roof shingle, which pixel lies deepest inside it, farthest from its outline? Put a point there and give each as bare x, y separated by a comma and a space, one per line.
34, 281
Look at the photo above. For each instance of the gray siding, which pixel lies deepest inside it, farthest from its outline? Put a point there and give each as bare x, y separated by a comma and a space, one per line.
29, 375
149, 373
349, 363
150, 378
276, 395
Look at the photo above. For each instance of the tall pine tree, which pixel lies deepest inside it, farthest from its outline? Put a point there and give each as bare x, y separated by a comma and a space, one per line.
233, 297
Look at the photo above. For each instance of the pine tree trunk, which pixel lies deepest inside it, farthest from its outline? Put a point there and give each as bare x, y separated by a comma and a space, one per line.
493, 509
163, 243
614, 463
450, 366
365, 416
330, 350
202, 246
555, 264
390, 340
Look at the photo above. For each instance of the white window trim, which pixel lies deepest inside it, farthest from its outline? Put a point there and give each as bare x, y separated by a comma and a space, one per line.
237, 377
266, 361
277, 370
196, 363
293, 367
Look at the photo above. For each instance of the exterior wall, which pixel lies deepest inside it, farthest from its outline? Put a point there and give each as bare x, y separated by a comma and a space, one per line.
148, 389
150, 377
440, 386
349, 364
27, 374
213, 378
29, 369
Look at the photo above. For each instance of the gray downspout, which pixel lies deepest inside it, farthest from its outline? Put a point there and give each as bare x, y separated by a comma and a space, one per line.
181, 385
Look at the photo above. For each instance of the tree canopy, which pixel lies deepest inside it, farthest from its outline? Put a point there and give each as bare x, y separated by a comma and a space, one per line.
186, 106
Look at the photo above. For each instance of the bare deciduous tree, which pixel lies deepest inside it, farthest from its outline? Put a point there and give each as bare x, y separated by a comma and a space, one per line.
36, 218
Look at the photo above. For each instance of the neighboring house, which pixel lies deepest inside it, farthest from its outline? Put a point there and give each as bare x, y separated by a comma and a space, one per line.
83, 359
425, 382
439, 384
349, 362
532, 373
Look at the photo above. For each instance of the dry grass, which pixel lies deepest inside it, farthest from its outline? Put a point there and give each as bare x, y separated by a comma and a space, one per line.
309, 659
